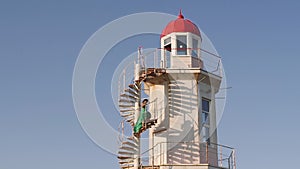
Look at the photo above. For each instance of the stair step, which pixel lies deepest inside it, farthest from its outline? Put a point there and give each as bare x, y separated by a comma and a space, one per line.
127, 110
148, 124
126, 101
124, 157
151, 123
131, 92
151, 69
128, 148
134, 87
127, 115
152, 167
126, 162
132, 139
127, 166
129, 119
125, 95
126, 105
125, 153
130, 144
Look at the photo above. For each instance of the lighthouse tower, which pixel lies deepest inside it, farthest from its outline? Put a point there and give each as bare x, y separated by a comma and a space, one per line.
181, 93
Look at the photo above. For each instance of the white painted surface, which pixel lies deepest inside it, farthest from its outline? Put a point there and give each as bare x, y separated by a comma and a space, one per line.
177, 105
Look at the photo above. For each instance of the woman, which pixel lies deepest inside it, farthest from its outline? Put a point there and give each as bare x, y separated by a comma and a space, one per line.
142, 117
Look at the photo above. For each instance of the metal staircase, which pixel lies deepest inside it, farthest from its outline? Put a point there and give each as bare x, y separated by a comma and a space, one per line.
129, 104
129, 107
129, 148
127, 151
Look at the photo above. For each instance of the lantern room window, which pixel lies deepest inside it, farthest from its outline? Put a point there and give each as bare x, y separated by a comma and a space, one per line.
195, 48
167, 41
181, 45
167, 44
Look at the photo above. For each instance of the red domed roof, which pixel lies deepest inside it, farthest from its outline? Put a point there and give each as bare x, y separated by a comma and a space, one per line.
180, 25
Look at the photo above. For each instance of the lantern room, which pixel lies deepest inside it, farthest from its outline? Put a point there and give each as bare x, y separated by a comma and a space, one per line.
180, 44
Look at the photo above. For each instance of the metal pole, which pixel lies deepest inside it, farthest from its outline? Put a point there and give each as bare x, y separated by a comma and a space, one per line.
139, 55
122, 130
119, 87
234, 162
207, 152
221, 157
165, 59
124, 79
154, 64
160, 153
153, 149
220, 68
136, 162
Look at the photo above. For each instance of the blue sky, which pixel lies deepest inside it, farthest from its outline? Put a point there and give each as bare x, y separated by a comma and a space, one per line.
40, 42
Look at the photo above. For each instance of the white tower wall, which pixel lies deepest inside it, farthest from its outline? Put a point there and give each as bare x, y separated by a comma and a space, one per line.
176, 102
183, 133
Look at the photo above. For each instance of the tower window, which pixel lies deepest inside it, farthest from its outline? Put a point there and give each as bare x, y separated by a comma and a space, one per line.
167, 41
195, 48
205, 111
181, 45
167, 44
205, 134
205, 105
205, 119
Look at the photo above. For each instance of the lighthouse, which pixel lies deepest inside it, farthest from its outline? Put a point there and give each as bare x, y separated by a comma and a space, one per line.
181, 103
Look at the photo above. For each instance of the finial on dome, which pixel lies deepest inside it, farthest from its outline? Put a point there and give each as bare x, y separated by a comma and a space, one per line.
180, 15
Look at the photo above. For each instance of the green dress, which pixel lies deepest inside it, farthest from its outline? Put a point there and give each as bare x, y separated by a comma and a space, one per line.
139, 124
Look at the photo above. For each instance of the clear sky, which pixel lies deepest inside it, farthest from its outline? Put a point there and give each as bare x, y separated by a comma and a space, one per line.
40, 42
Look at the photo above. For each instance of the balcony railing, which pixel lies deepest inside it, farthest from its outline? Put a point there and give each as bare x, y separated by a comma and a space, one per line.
189, 153
209, 61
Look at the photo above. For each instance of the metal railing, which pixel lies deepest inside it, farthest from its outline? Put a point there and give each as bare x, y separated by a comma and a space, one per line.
189, 153
162, 58
152, 58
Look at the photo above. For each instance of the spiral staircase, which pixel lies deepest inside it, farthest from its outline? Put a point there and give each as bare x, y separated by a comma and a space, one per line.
129, 105
129, 147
